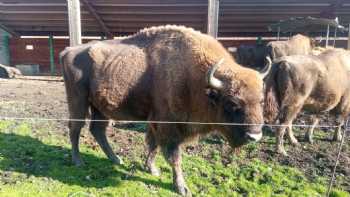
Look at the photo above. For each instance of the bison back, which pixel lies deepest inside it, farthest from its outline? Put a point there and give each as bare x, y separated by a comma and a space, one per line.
120, 80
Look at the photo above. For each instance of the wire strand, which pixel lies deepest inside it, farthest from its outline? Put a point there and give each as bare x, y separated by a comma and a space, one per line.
163, 122
338, 157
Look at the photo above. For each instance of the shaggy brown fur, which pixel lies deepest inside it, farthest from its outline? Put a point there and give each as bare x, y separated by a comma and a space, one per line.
313, 83
253, 56
296, 45
160, 74
318, 50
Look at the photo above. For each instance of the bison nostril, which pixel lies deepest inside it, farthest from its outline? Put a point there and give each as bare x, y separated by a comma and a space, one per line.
254, 136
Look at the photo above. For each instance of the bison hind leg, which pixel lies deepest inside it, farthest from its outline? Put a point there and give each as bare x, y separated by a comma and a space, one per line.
310, 131
74, 134
293, 140
98, 130
338, 132
78, 108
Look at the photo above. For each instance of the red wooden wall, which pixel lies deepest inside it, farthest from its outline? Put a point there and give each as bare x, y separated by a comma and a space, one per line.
41, 53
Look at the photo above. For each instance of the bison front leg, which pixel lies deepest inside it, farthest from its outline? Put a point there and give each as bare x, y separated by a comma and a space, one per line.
280, 135
98, 130
152, 152
173, 153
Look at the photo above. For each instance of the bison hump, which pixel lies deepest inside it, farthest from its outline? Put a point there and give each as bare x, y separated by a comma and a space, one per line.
99, 52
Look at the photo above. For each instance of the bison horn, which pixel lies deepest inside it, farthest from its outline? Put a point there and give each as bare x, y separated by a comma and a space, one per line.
267, 68
212, 81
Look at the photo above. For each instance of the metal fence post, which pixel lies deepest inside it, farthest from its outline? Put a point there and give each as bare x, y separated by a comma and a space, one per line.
52, 56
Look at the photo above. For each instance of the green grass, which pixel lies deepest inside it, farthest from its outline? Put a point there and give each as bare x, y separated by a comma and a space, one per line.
36, 162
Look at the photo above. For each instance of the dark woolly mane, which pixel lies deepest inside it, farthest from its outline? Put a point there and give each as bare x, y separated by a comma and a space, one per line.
151, 31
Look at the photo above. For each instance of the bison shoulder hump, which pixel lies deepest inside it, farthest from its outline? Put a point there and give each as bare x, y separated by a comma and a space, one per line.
98, 52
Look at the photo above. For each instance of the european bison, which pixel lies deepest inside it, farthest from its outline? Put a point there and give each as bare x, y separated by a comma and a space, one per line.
296, 45
166, 73
252, 56
312, 83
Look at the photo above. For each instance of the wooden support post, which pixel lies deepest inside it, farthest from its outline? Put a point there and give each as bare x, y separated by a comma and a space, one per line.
327, 36
9, 30
349, 37
74, 22
52, 56
213, 18
335, 36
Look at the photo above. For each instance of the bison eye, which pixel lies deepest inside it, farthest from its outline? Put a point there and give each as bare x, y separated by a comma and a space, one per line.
262, 102
231, 107
213, 95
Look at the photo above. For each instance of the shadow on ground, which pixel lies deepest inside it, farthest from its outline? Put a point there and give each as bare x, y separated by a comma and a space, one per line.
30, 156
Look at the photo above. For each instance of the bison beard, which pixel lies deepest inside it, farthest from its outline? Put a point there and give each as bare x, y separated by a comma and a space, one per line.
165, 74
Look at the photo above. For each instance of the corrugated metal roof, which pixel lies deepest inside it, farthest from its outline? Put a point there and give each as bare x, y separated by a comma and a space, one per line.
306, 24
237, 17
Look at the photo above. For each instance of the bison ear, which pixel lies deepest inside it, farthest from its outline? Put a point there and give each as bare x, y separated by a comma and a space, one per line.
213, 96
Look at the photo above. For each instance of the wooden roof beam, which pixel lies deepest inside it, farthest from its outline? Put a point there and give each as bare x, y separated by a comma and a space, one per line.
9, 30
99, 20
329, 12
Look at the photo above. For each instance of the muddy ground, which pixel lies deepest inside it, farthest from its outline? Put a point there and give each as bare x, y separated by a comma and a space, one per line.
45, 98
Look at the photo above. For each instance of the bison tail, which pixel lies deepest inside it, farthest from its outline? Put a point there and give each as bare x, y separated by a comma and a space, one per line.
272, 103
62, 57
63, 54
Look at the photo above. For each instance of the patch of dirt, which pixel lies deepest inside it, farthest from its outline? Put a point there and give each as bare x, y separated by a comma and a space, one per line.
47, 99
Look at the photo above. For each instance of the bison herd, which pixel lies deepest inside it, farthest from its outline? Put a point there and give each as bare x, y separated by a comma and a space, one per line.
177, 74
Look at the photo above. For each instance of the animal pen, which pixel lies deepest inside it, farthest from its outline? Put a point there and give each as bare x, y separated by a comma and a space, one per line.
35, 146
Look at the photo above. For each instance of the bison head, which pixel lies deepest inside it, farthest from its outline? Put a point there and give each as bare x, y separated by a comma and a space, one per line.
237, 97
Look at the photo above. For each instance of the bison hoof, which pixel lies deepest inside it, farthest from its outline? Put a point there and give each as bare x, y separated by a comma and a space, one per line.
183, 191
282, 152
154, 172
78, 162
117, 160
337, 138
296, 143
309, 139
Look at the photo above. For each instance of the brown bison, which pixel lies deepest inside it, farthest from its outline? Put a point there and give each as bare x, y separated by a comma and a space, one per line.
254, 56
166, 73
296, 45
306, 82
